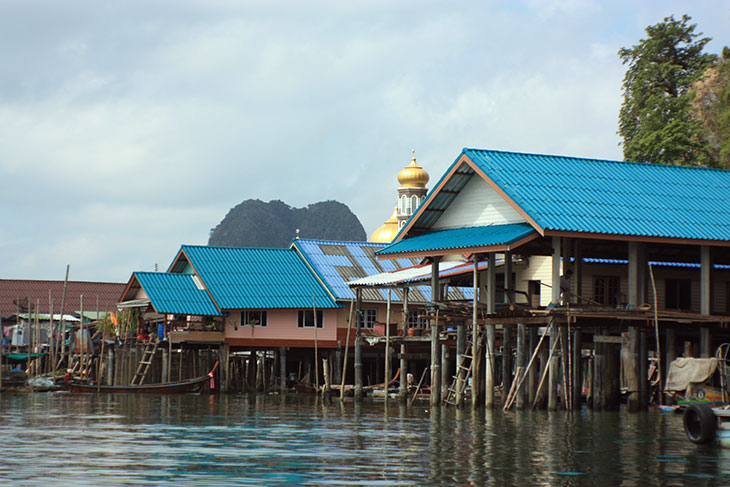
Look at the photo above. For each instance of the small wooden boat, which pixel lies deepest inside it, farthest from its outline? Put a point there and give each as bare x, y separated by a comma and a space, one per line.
179, 387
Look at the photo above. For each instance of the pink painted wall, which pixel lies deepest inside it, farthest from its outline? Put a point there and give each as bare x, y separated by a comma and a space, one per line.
282, 324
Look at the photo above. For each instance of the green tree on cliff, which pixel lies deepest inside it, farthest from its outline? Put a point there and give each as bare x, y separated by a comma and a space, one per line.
656, 121
711, 106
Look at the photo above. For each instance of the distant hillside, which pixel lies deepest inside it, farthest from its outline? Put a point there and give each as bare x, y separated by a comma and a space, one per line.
254, 223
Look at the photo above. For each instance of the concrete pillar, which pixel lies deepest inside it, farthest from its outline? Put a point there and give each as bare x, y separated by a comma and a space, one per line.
578, 271
520, 364
165, 358
403, 385
282, 370
435, 365
577, 363
705, 343
509, 281
532, 374
637, 274
506, 360
643, 370
631, 361
705, 298
110, 367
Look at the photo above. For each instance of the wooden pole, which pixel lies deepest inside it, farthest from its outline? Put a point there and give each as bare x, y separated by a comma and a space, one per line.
347, 348
656, 335
475, 362
2, 346
51, 338
62, 332
358, 346
403, 392
491, 332
545, 372
316, 358
508, 404
387, 347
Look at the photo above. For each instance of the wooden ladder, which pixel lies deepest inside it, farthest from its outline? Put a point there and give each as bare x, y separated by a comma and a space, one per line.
465, 367
144, 363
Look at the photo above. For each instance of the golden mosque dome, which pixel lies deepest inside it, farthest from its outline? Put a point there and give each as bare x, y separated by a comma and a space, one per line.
387, 232
413, 176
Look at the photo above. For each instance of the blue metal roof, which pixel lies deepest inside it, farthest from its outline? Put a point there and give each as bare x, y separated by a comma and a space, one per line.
256, 278
462, 238
176, 294
610, 197
339, 262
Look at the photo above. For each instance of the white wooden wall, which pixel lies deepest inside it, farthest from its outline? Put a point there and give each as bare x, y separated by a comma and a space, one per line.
477, 204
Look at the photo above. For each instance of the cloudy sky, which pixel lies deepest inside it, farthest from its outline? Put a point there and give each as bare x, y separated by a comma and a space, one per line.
129, 128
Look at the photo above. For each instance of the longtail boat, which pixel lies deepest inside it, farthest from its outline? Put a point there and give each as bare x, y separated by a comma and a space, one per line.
179, 387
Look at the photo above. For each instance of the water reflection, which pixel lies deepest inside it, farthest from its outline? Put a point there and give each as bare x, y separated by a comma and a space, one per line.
297, 440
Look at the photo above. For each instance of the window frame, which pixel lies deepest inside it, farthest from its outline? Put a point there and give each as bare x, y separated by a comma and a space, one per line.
369, 318
302, 320
247, 318
606, 298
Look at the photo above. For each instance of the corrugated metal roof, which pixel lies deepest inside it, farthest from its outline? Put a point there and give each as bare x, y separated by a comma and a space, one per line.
690, 265
17, 291
402, 275
611, 197
256, 278
462, 238
176, 294
339, 262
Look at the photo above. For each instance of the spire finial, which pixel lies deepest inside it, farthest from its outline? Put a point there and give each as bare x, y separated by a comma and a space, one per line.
413, 151
297, 237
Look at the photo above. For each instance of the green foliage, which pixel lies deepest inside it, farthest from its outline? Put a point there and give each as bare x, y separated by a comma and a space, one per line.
127, 322
656, 119
105, 326
711, 106
254, 223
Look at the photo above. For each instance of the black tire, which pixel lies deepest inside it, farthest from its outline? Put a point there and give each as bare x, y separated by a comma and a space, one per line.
699, 423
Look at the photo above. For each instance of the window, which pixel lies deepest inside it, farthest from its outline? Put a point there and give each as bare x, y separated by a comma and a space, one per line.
253, 318
415, 319
533, 290
678, 294
369, 317
306, 319
606, 290
414, 202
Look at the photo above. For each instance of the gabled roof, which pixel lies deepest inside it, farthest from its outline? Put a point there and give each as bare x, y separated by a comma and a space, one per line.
560, 195
339, 262
253, 278
170, 293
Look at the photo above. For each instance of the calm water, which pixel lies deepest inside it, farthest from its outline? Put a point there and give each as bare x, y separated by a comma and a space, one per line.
64, 439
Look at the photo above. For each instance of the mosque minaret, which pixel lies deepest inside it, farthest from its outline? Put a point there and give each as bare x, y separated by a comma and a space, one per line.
411, 193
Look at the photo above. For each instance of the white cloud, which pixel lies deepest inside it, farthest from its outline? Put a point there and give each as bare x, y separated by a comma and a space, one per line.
131, 128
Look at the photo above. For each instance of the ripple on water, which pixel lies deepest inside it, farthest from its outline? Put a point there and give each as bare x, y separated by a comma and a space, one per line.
267, 440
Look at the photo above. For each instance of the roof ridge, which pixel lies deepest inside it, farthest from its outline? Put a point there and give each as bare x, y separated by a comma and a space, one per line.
339, 242
229, 247
593, 159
